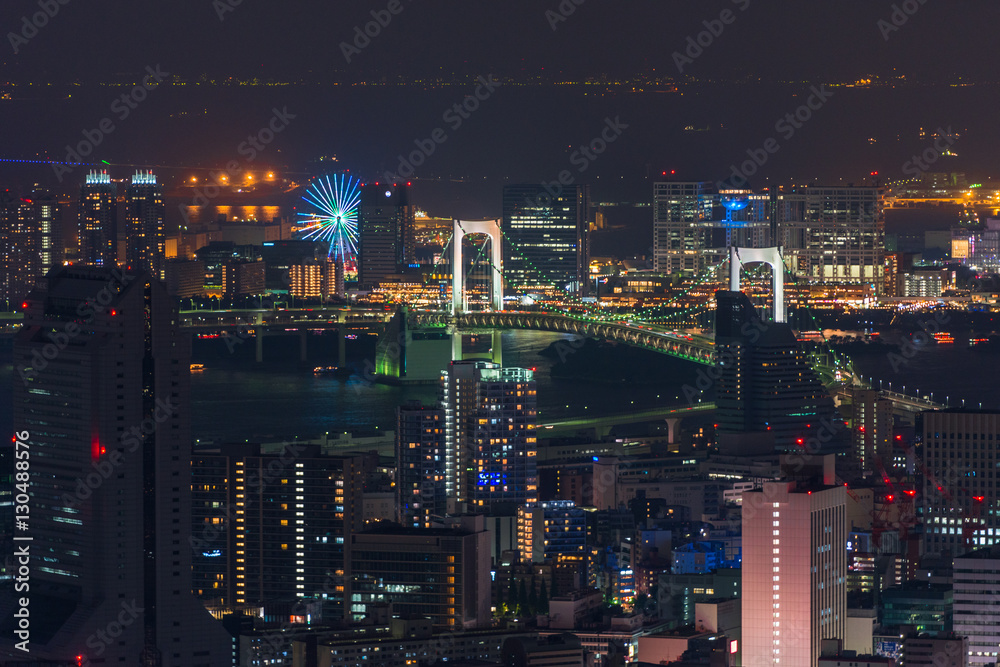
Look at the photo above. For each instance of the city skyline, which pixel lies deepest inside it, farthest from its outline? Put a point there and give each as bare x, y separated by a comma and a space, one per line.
499, 334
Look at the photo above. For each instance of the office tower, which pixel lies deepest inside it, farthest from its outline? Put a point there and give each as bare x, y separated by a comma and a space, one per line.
490, 437
440, 573
767, 391
98, 220
547, 243
921, 650
694, 223
959, 499
924, 607
274, 526
145, 246
833, 235
420, 456
976, 583
31, 242
977, 248
386, 240
872, 431
553, 531
794, 571
102, 386
680, 593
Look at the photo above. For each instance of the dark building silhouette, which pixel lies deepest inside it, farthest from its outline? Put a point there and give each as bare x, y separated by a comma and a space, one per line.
386, 241
767, 392
102, 386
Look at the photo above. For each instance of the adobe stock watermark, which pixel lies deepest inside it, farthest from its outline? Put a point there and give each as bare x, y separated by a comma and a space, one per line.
223, 7
363, 36
787, 126
122, 108
106, 465
918, 342
698, 44
100, 640
922, 163
562, 13
249, 149
455, 116
30, 25
900, 16
581, 158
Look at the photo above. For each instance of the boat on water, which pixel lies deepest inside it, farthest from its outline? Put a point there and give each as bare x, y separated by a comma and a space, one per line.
339, 371
197, 367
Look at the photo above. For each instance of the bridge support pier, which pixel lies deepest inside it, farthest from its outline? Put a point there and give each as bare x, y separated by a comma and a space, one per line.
496, 347
303, 342
672, 424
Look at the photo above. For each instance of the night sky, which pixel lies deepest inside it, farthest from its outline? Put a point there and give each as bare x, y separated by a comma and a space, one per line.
776, 39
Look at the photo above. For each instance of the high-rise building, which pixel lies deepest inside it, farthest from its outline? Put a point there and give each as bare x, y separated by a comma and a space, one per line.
794, 571
20, 262
420, 456
386, 241
959, 503
833, 235
274, 525
976, 583
767, 389
145, 244
694, 223
547, 242
872, 430
552, 531
31, 242
103, 390
440, 573
98, 220
45, 213
490, 436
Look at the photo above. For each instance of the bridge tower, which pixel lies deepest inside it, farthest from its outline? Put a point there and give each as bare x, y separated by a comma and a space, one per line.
490, 228
771, 256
